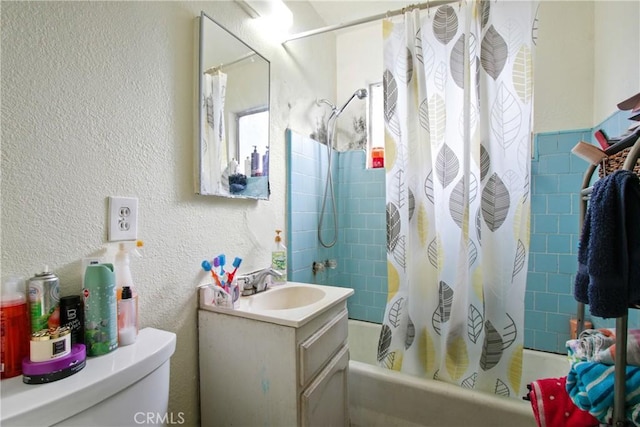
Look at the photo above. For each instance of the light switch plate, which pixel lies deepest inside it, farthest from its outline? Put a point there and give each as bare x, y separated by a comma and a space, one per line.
123, 218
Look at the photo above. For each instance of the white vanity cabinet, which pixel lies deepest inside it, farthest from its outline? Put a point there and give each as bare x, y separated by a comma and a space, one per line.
255, 372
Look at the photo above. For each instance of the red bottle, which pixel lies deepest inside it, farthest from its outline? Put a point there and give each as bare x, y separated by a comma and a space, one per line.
15, 327
377, 157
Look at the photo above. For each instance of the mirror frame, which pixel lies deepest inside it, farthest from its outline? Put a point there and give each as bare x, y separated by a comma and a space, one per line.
200, 124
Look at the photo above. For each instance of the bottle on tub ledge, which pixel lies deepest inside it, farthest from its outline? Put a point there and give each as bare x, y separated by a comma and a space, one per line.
377, 157
279, 259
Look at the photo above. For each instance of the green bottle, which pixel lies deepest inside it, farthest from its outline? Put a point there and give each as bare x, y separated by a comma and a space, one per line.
100, 309
279, 258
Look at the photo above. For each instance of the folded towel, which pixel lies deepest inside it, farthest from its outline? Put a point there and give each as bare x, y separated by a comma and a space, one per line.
574, 351
608, 277
599, 345
590, 386
552, 406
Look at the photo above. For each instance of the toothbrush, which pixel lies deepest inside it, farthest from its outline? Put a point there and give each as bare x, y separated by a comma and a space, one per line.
225, 282
206, 266
236, 263
221, 260
217, 279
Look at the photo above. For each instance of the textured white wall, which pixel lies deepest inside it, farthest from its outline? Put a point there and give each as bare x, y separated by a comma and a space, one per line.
97, 101
358, 64
563, 69
587, 61
617, 55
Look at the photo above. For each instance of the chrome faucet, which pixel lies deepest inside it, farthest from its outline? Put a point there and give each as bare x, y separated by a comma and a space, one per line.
257, 281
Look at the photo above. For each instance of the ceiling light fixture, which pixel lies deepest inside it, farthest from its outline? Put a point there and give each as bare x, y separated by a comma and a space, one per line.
270, 14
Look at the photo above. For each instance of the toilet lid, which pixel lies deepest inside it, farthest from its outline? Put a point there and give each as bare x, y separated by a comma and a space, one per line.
102, 377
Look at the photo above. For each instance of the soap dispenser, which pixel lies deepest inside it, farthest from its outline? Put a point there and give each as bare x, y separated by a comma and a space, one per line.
255, 162
279, 258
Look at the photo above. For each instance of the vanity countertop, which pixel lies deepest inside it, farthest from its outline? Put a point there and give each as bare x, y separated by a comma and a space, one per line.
290, 304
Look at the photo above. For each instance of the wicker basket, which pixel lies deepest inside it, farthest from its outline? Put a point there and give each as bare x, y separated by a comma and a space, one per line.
615, 162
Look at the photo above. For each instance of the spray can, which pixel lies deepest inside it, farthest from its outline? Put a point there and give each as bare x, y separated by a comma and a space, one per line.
100, 310
44, 300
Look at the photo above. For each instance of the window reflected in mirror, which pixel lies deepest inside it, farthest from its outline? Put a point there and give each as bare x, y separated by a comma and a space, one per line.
375, 125
234, 115
253, 126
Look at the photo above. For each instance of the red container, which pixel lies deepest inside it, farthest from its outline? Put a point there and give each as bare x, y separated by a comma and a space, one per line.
377, 157
16, 329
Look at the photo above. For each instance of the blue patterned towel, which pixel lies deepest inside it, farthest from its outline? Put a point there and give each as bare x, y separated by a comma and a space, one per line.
590, 387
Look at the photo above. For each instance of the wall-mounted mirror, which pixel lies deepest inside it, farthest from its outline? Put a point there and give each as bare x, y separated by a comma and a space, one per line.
233, 120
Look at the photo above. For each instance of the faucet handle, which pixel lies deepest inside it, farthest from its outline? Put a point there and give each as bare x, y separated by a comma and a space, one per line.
275, 273
257, 281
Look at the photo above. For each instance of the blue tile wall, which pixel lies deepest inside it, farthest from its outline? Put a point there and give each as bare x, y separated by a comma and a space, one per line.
361, 249
555, 209
306, 166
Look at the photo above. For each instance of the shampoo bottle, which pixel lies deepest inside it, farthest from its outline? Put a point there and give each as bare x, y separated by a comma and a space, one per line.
233, 167
247, 166
127, 318
265, 163
279, 258
15, 327
255, 162
100, 310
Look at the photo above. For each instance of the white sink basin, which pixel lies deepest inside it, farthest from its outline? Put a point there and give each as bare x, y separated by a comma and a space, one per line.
289, 304
286, 297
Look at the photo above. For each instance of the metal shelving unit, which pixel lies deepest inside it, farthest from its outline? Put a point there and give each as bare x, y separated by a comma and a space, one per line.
619, 418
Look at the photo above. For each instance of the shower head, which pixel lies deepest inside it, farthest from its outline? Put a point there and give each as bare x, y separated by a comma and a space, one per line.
360, 93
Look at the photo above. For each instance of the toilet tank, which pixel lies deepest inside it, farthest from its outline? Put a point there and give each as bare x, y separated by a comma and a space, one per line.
127, 387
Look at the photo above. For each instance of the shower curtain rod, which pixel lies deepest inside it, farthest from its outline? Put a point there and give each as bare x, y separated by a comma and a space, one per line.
387, 14
215, 68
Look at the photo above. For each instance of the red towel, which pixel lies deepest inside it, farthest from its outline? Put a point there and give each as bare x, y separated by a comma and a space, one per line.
553, 407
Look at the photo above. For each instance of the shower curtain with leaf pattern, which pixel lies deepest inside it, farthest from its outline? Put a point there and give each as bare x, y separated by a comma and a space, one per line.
458, 107
214, 138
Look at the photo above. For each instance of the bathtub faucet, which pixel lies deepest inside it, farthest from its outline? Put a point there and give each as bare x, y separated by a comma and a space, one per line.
257, 281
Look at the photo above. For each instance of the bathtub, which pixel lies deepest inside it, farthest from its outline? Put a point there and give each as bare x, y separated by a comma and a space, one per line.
384, 398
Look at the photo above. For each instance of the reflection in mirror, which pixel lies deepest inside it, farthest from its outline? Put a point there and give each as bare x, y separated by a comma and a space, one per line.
233, 144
